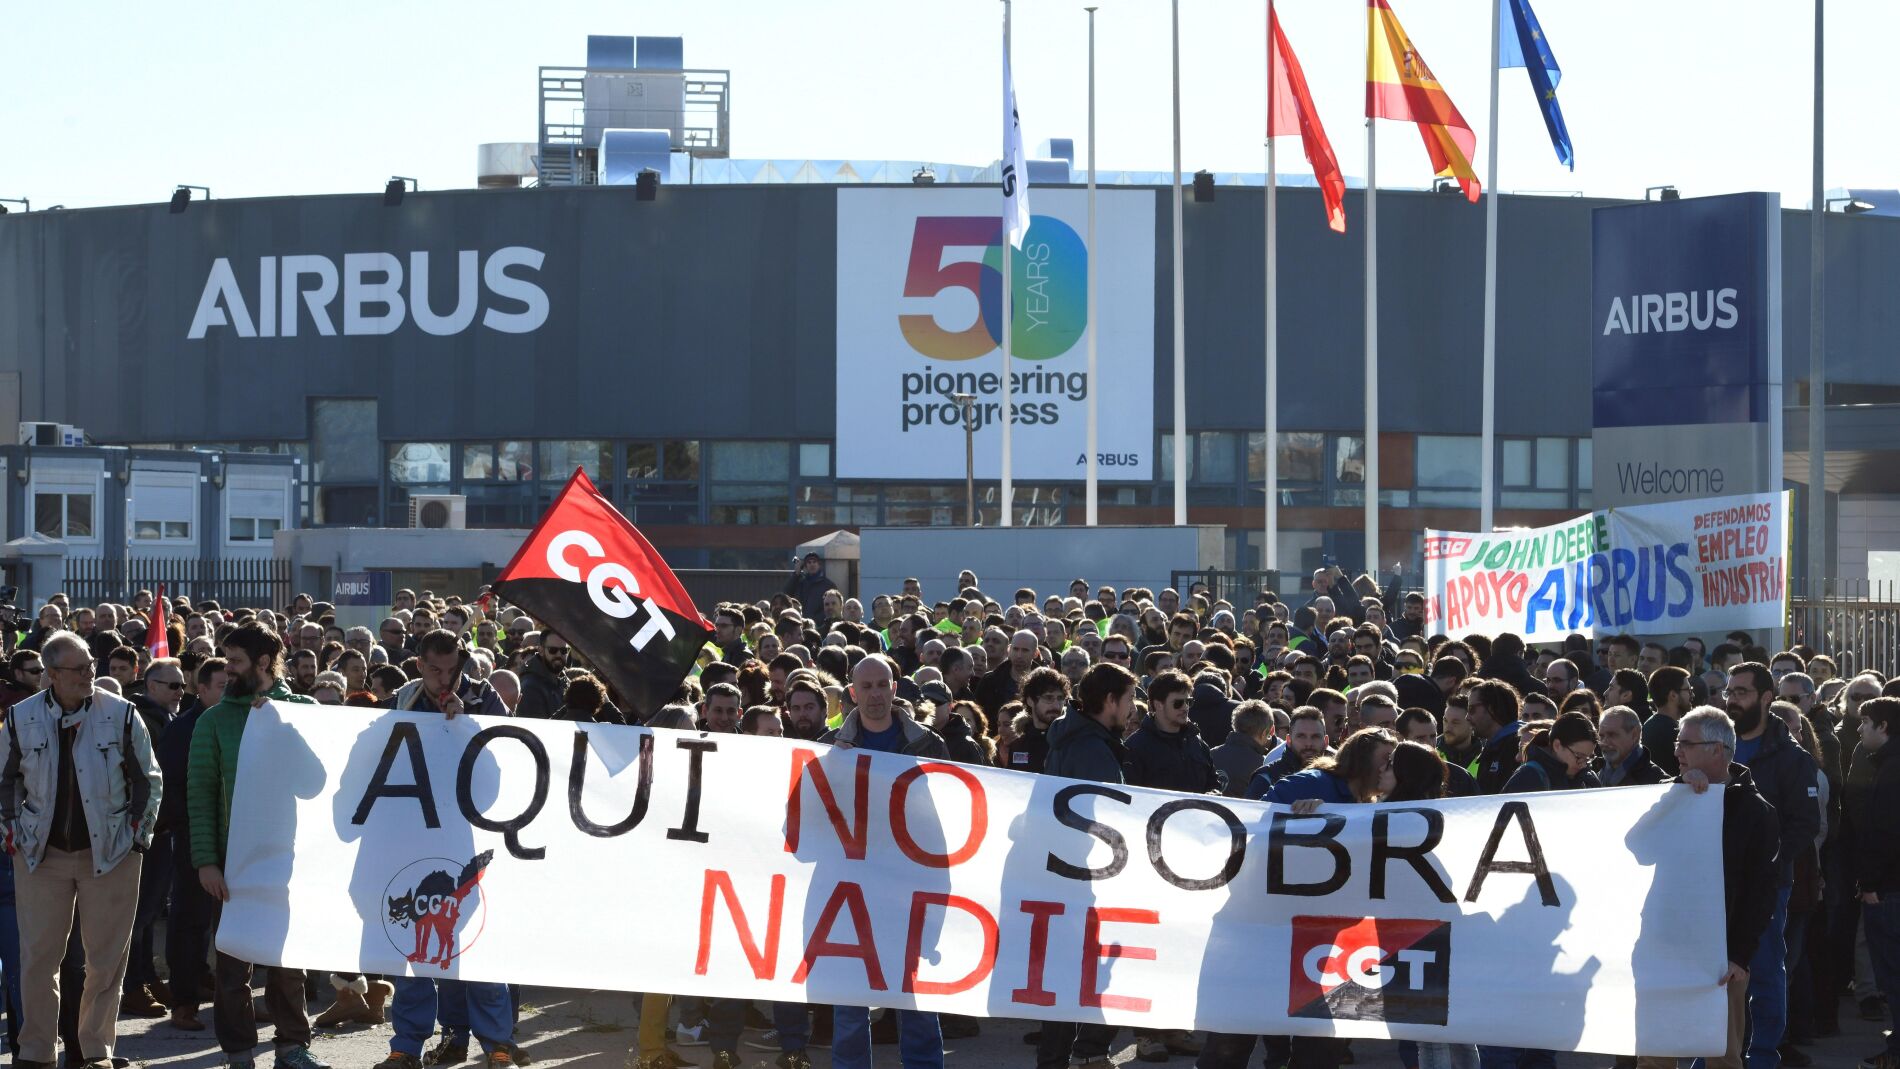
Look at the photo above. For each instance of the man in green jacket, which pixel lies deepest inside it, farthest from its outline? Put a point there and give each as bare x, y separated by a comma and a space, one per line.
254, 659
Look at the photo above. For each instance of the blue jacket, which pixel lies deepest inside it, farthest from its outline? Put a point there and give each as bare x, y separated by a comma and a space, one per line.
1311, 783
1081, 748
1498, 760
1267, 775
1542, 770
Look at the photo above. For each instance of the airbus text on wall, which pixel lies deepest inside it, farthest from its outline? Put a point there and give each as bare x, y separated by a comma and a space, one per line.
919, 321
1686, 313
289, 292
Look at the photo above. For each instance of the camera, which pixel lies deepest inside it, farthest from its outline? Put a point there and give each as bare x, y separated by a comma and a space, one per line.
10, 616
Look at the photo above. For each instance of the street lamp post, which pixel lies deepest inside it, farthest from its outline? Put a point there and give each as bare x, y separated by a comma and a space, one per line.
966, 404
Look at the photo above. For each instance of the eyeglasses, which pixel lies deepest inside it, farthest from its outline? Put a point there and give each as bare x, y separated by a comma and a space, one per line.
1179, 703
86, 666
169, 684
30, 671
1681, 745
1115, 656
1586, 758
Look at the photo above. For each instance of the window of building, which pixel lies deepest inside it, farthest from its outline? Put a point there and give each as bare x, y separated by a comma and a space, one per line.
1214, 460
419, 463
751, 461
825, 505
750, 503
1348, 470
253, 513
1302, 460
1448, 470
163, 505
60, 514
560, 458
1534, 473
1164, 471
814, 460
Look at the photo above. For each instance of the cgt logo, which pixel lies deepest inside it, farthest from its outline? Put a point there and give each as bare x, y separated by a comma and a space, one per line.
617, 601
1370, 969
435, 917
1049, 274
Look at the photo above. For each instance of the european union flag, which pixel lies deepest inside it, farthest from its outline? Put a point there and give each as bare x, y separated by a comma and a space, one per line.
1520, 37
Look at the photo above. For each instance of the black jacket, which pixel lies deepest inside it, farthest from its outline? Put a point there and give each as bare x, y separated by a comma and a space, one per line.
1419, 692
173, 753
1081, 748
1238, 759
1030, 751
543, 691
1872, 819
1498, 760
1267, 775
810, 591
1172, 761
996, 689
1642, 772
1659, 738
1542, 770
1831, 766
1786, 777
1512, 670
1213, 712
956, 738
1749, 834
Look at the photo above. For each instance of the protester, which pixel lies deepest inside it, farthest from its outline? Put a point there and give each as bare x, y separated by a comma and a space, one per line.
543, 678
78, 815
1872, 833
1245, 750
253, 663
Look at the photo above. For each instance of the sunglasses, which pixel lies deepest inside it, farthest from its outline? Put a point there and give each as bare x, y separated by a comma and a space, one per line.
166, 683
31, 671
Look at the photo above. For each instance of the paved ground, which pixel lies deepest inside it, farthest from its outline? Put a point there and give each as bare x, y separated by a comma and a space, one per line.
597, 1029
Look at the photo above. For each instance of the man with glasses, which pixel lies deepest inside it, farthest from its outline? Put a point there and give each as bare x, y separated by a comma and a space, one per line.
1560, 679
145, 994
27, 677
1788, 778
1705, 746
394, 639
79, 795
543, 676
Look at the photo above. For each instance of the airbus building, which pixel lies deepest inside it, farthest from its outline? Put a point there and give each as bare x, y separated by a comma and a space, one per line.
744, 353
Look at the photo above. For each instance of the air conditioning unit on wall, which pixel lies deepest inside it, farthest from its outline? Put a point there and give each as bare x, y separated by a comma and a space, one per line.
441, 511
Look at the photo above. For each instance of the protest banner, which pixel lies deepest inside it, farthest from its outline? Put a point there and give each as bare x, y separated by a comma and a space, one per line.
595, 856
1708, 565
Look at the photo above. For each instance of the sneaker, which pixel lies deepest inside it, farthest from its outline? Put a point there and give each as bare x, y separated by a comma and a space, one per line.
500, 1058
1181, 1042
298, 1057
691, 1035
794, 1059
766, 1040
1150, 1049
450, 1051
516, 1054
185, 1019
400, 1060
235, 1062
1794, 1057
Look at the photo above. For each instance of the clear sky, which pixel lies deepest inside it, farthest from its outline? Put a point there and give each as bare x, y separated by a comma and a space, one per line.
115, 102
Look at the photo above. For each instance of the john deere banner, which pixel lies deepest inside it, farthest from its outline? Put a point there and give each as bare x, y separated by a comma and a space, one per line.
589, 856
1708, 565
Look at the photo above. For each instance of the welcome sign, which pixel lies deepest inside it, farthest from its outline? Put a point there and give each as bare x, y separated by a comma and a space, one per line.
597, 856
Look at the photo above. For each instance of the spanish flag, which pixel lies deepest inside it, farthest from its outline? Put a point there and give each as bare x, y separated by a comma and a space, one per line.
1400, 86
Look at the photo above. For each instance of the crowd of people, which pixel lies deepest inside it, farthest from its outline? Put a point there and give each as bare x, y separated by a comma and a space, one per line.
119, 767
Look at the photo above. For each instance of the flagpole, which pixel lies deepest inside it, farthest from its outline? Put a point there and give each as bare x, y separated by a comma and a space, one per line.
1008, 491
1487, 434
1093, 264
1270, 548
1372, 345
1181, 443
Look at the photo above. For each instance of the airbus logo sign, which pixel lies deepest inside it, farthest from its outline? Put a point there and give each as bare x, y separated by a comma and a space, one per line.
1659, 313
378, 291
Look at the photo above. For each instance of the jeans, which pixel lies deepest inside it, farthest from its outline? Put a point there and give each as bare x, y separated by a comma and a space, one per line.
1883, 945
10, 957
1516, 1058
155, 885
1447, 1056
188, 928
793, 1021
462, 1007
1768, 990
919, 1039
234, 1015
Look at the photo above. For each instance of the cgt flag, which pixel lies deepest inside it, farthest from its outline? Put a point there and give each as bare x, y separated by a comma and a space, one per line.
588, 574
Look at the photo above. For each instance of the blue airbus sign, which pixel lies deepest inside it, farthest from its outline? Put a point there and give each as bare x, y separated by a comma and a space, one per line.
368, 589
1686, 344
1681, 303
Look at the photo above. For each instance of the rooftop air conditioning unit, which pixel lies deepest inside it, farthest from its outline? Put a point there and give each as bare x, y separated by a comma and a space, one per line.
40, 434
440, 511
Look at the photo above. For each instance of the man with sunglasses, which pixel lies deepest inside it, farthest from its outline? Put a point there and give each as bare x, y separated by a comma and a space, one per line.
27, 677
145, 994
543, 677
79, 795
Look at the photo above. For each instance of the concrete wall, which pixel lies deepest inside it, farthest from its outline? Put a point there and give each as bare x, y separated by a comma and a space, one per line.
460, 558
1046, 559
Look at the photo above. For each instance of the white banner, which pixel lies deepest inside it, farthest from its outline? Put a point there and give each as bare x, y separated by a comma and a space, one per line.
919, 321
586, 856
1708, 565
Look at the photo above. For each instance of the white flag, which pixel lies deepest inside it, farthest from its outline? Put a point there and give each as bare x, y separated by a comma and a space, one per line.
1015, 175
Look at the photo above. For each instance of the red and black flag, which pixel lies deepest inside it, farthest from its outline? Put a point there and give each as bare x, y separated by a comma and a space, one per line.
588, 575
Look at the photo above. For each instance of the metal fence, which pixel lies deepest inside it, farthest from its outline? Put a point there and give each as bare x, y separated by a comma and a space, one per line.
1856, 622
233, 584
1239, 587
710, 586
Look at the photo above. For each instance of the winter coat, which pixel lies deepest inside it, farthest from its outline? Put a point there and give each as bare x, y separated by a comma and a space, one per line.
1172, 761
1081, 748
